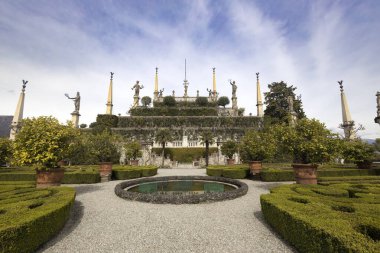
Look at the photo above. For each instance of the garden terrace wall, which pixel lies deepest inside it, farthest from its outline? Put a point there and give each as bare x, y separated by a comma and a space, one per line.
335, 218
30, 217
174, 111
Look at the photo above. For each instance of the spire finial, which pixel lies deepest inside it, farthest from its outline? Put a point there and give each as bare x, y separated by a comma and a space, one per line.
112, 75
257, 76
24, 85
341, 85
156, 70
185, 69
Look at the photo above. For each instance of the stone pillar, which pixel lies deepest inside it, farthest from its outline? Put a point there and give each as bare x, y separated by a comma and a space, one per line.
75, 118
259, 105
185, 141
109, 99
136, 100
17, 118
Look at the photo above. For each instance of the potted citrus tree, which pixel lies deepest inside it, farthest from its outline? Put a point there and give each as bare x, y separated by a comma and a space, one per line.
103, 147
255, 147
358, 152
229, 148
310, 143
133, 151
42, 143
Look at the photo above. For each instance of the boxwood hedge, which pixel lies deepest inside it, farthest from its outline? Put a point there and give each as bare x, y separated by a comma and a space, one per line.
334, 218
29, 217
229, 171
129, 172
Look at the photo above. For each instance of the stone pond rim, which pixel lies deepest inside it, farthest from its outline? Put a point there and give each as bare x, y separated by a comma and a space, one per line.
156, 198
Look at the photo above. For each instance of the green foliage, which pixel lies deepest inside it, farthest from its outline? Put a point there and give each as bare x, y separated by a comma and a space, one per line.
83, 125
277, 105
235, 173
174, 111
80, 151
223, 101
132, 150
184, 155
201, 101
129, 172
238, 171
81, 176
103, 146
169, 101
207, 138
146, 101
335, 218
310, 142
163, 136
357, 151
257, 146
5, 150
350, 179
377, 144
42, 142
32, 216
276, 175
107, 120
229, 148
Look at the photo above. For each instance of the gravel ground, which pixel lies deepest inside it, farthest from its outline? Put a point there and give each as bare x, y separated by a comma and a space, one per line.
103, 222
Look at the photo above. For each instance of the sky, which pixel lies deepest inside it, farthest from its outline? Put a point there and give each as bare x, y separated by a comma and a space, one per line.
65, 46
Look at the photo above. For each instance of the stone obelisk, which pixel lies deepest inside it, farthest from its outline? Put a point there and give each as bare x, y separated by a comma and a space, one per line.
214, 93
155, 93
109, 99
17, 118
348, 124
259, 105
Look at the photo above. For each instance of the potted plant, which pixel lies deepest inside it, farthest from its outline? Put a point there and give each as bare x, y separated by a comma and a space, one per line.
310, 143
229, 148
132, 152
103, 147
358, 152
255, 147
42, 143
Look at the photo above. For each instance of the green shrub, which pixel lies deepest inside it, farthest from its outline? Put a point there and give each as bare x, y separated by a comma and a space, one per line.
169, 101
201, 101
277, 175
214, 172
149, 171
81, 177
5, 150
235, 173
229, 171
174, 111
330, 222
229, 148
32, 216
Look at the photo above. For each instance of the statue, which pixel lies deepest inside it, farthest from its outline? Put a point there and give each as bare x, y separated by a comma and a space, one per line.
76, 101
137, 88
173, 93
160, 92
341, 85
24, 84
209, 92
234, 88
197, 93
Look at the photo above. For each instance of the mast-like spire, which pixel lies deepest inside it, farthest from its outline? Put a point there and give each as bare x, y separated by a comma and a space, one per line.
185, 70
348, 123
259, 105
109, 99
155, 93
185, 84
213, 81
17, 118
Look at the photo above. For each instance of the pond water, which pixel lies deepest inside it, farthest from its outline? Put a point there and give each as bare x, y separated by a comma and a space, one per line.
182, 187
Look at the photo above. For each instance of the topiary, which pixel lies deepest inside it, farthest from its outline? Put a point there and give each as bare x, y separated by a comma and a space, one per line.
201, 101
223, 101
169, 101
146, 101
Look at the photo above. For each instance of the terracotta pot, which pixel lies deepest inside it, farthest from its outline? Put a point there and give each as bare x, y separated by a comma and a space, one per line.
364, 165
255, 167
305, 173
105, 169
134, 162
50, 177
230, 161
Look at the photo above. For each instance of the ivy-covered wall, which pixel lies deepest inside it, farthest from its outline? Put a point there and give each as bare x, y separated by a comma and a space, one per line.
174, 111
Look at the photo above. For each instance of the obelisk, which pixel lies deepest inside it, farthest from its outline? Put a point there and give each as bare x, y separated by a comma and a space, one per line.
17, 118
259, 104
348, 124
109, 99
155, 93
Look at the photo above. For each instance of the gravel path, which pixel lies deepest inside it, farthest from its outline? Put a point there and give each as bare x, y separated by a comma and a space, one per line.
103, 222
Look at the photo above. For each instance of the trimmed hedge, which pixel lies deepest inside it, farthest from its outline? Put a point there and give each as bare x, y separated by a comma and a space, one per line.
79, 176
30, 217
174, 111
238, 171
335, 218
353, 179
184, 155
130, 172
276, 175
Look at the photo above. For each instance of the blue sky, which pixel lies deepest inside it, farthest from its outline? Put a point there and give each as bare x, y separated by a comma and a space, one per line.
68, 46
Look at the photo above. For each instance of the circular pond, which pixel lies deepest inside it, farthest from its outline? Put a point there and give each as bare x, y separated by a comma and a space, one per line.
181, 189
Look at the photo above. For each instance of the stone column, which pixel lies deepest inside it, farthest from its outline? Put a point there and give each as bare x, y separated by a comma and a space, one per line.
75, 118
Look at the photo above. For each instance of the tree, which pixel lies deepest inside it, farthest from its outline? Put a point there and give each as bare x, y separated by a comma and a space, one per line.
83, 125
207, 138
5, 150
42, 142
229, 148
169, 101
201, 101
103, 146
146, 101
132, 150
163, 136
257, 146
277, 104
223, 101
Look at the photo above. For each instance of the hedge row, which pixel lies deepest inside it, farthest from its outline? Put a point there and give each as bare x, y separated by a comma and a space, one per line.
174, 111
350, 179
29, 217
335, 218
184, 155
129, 172
275, 175
229, 171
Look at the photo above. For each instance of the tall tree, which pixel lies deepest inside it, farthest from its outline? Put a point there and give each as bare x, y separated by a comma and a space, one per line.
277, 103
207, 138
163, 136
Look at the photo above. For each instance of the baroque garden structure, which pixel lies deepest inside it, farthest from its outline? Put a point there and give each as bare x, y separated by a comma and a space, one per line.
186, 116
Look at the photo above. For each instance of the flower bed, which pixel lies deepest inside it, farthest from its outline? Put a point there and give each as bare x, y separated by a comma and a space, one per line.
335, 218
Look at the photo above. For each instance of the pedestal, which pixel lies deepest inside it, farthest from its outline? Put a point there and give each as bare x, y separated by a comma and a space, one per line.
75, 118
136, 100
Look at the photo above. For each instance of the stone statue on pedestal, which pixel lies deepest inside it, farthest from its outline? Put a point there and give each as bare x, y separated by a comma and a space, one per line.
137, 88
160, 93
76, 101
234, 88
